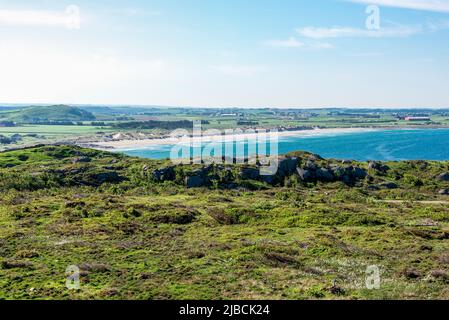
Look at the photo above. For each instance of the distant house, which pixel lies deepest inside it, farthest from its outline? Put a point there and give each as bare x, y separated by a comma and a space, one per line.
417, 119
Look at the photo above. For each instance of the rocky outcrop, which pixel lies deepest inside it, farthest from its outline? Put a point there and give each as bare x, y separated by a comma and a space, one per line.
324, 175
287, 166
443, 177
164, 174
249, 174
310, 169
195, 181
199, 178
306, 175
81, 160
313, 173
388, 185
377, 166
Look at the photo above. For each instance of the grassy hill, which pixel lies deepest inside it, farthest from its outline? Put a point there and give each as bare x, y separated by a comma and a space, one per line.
136, 231
57, 113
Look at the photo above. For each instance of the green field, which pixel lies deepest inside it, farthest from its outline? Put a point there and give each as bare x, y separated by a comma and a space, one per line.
133, 237
53, 130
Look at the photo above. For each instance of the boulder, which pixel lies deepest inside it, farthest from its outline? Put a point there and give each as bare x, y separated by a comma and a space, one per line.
310, 165
444, 192
306, 175
164, 174
443, 177
324, 175
388, 185
249, 174
195, 181
81, 160
348, 174
104, 177
287, 166
338, 171
359, 173
268, 179
377, 166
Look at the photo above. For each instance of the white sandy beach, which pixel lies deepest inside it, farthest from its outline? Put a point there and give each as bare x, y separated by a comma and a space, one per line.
146, 143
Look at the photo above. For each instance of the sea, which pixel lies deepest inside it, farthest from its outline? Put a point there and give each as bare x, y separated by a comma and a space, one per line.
382, 145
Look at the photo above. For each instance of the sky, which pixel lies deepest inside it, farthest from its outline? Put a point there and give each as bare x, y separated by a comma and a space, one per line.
226, 53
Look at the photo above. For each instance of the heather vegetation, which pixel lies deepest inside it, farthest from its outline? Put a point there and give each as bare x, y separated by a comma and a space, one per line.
143, 229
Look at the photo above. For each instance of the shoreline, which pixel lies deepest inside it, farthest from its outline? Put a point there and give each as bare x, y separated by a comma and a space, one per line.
123, 145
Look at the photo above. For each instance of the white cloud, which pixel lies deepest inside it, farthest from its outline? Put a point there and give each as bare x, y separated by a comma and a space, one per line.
290, 43
427, 5
39, 17
348, 32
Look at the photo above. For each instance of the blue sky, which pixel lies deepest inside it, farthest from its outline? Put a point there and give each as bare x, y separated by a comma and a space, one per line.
220, 53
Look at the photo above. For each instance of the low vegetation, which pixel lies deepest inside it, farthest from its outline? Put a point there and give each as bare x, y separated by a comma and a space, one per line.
142, 229
46, 115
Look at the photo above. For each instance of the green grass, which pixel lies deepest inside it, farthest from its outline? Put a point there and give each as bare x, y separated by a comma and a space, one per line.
52, 130
47, 113
138, 239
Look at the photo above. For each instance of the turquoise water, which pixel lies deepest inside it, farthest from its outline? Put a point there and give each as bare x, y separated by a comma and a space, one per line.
420, 144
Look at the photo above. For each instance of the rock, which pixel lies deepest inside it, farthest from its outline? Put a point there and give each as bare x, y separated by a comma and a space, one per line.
439, 274
443, 177
324, 175
377, 166
359, 173
411, 273
95, 267
306, 175
268, 179
287, 166
346, 161
388, 185
103, 177
249, 174
348, 174
444, 192
338, 171
164, 174
195, 181
310, 165
81, 160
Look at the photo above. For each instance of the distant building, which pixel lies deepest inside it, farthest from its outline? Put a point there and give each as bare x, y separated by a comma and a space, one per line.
417, 119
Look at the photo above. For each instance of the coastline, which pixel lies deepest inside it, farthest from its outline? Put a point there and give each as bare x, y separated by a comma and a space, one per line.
147, 143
